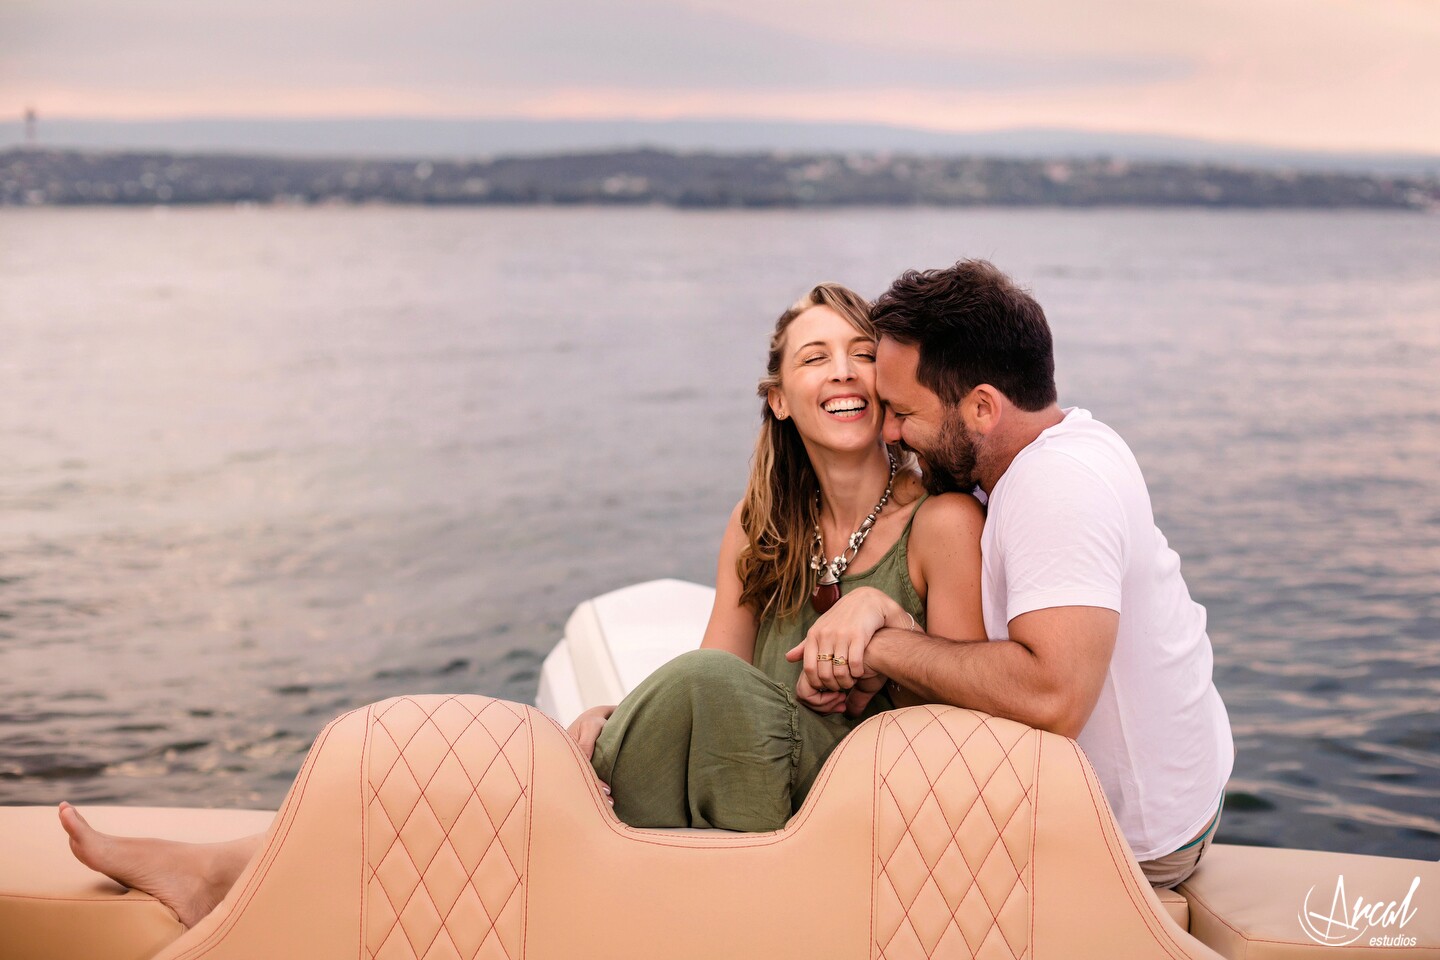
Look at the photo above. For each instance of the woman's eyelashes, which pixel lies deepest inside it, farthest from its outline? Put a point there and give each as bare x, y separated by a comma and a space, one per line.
868, 355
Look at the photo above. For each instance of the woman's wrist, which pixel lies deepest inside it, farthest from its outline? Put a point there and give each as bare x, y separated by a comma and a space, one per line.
898, 618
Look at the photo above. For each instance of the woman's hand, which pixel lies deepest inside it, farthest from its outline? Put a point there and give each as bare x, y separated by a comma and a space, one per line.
588, 726
821, 701
833, 651
586, 730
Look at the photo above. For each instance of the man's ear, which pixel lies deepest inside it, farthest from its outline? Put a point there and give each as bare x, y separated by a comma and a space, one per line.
776, 399
983, 407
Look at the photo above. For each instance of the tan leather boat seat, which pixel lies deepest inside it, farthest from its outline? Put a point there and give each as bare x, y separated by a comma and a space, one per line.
52, 907
467, 827
1259, 903
1176, 906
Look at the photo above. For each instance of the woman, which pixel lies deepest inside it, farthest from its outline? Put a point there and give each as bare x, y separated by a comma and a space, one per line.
732, 735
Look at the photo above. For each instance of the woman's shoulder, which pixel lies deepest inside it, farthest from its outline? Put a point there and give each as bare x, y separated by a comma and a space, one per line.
735, 537
945, 540
947, 517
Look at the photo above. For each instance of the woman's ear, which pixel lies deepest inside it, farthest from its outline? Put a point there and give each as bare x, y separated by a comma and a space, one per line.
776, 399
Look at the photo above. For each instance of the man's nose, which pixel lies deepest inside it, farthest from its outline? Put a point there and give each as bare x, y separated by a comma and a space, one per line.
891, 431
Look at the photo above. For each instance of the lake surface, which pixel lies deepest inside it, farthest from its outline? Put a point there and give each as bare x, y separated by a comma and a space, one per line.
260, 466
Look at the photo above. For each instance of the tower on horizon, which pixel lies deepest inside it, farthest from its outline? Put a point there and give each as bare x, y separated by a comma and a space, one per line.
30, 122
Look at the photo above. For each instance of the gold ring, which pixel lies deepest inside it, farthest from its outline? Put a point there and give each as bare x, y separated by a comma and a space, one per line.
839, 661
822, 657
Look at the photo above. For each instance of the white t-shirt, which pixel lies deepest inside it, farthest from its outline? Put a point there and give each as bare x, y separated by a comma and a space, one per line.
1069, 524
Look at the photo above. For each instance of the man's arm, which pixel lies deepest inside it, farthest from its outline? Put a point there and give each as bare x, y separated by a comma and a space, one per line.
1048, 674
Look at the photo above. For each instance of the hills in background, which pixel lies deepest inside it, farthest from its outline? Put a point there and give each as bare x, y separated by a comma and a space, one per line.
415, 138
31, 176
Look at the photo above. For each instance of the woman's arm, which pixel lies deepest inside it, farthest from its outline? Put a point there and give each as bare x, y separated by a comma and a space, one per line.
944, 552
732, 625
945, 568
945, 565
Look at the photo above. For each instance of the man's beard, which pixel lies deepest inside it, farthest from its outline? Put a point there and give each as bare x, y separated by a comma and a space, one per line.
950, 466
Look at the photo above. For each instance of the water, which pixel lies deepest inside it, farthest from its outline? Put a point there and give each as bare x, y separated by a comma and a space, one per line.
261, 466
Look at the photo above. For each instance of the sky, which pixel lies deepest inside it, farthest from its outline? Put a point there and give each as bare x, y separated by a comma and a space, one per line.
1312, 74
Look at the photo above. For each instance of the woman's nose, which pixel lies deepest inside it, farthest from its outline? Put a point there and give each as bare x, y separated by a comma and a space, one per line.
844, 368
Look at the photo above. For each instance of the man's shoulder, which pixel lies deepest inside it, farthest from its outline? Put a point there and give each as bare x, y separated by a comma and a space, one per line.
1060, 484
1076, 448
1040, 468
1080, 432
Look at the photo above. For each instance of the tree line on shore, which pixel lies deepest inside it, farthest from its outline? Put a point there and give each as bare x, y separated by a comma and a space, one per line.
50, 177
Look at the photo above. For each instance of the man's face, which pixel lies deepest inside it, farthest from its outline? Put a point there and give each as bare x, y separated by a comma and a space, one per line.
916, 418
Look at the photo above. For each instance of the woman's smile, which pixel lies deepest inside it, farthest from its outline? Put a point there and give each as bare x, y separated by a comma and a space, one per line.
830, 365
849, 406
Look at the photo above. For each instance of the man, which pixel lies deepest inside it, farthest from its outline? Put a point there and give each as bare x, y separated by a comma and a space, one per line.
1093, 634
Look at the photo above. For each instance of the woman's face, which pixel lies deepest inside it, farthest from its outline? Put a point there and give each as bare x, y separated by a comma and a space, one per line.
827, 381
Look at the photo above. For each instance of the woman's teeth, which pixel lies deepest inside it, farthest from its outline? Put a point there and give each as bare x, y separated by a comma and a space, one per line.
844, 405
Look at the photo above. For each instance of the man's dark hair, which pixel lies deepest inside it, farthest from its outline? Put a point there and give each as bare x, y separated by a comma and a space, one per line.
973, 325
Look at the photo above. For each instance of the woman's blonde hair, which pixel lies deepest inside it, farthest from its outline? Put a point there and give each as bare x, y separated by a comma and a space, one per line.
778, 514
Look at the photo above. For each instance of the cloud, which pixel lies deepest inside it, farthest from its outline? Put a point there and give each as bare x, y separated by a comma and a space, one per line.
543, 45
1338, 74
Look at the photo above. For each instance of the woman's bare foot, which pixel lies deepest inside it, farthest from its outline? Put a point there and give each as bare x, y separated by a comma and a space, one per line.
189, 878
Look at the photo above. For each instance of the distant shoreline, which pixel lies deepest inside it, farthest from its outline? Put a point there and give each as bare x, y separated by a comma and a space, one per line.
32, 177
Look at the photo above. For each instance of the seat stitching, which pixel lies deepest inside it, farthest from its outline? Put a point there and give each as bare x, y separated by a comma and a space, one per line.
1034, 889
907, 920
362, 782
470, 874
500, 747
1140, 907
529, 720
521, 721
247, 896
496, 838
874, 816
1027, 793
1189, 894
474, 792
405, 847
910, 749
999, 829
955, 839
979, 799
929, 870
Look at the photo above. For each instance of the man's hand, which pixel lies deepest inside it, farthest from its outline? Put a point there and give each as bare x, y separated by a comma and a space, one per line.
833, 651
862, 693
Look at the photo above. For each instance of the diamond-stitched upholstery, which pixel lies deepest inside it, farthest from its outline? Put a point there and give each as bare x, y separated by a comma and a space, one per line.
953, 825
447, 807
460, 827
